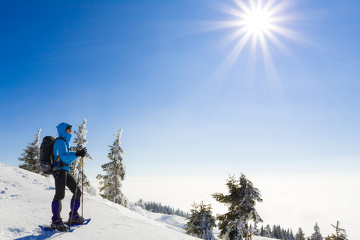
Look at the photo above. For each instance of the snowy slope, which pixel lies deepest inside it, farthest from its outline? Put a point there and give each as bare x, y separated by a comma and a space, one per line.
26, 197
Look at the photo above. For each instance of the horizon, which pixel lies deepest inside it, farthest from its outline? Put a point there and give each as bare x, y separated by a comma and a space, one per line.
202, 89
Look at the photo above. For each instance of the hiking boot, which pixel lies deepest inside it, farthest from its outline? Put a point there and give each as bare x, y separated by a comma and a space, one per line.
59, 225
76, 219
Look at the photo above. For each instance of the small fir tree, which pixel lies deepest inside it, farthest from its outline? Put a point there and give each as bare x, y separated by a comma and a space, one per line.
256, 231
201, 222
289, 235
78, 166
140, 203
300, 235
31, 156
316, 235
268, 232
241, 203
340, 233
110, 184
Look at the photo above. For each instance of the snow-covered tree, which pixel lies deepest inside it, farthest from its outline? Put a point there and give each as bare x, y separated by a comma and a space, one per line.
241, 203
300, 235
289, 235
110, 183
268, 232
255, 230
140, 203
31, 156
340, 233
316, 235
201, 222
78, 166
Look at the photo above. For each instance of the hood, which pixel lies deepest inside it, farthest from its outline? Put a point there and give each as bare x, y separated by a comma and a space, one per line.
61, 128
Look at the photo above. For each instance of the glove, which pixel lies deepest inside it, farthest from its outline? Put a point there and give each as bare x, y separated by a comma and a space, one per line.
81, 153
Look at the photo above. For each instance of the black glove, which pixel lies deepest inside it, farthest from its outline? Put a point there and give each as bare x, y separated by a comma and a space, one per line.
81, 153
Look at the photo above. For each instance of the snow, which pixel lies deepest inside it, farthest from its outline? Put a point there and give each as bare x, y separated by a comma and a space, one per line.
26, 197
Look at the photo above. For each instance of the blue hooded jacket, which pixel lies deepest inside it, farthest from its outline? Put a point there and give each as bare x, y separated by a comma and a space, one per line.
61, 148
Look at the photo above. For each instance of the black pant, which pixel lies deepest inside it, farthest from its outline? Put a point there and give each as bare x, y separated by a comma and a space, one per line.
64, 178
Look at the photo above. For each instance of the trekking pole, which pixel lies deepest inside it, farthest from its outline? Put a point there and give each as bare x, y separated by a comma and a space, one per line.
82, 187
73, 206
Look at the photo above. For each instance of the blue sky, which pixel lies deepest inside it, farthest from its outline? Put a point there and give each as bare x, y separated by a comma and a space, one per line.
151, 69
156, 70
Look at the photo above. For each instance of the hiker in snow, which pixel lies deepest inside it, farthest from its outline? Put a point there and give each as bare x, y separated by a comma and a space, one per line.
62, 161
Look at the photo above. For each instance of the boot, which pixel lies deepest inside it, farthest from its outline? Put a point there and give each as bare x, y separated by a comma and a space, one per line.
57, 222
59, 225
76, 219
74, 216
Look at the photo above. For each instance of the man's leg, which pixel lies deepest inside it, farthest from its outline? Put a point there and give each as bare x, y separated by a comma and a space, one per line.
75, 200
60, 183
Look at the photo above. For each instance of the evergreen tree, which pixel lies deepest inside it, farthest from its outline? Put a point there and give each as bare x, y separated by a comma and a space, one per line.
256, 231
289, 235
316, 235
300, 235
262, 231
140, 203
292, 235
78, 166
201, 222
115, 173
268, 232
277, 232
31, 156
241, 205
340, 233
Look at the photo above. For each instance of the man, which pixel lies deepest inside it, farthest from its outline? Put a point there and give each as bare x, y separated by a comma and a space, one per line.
62, 161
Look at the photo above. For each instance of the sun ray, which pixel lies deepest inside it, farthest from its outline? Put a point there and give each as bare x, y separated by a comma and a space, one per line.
224, 69
278, 8
274, 39
271, 72
269, 4
233, 37
232, 11
285, 32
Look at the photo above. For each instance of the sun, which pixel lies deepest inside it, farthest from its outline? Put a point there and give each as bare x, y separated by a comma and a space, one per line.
257, 21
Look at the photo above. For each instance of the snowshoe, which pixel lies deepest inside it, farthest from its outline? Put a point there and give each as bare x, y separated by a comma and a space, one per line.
59, 225
77, 219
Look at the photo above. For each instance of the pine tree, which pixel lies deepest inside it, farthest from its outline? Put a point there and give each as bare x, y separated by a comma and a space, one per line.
256, 231
268, 232
340, 233
262, 231
241, 205
31, 156
292, 235
289, 235
300, 235
140, 203
115, 173
78, 166
316, 235
201, 222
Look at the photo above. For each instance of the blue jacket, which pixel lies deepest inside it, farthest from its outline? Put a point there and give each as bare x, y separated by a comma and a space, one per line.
61, 148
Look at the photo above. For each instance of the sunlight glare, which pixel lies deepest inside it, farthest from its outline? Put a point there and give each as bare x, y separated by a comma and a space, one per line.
257, 21
262, 24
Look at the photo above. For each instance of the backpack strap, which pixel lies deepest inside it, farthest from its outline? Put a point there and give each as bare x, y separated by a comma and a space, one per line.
58, 160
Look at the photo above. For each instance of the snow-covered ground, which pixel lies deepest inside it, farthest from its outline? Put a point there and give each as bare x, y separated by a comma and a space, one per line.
26, 197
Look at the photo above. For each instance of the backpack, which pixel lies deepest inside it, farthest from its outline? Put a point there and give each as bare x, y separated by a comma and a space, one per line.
46, 154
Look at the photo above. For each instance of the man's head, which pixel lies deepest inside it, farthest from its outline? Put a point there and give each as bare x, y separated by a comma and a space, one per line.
68, 129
